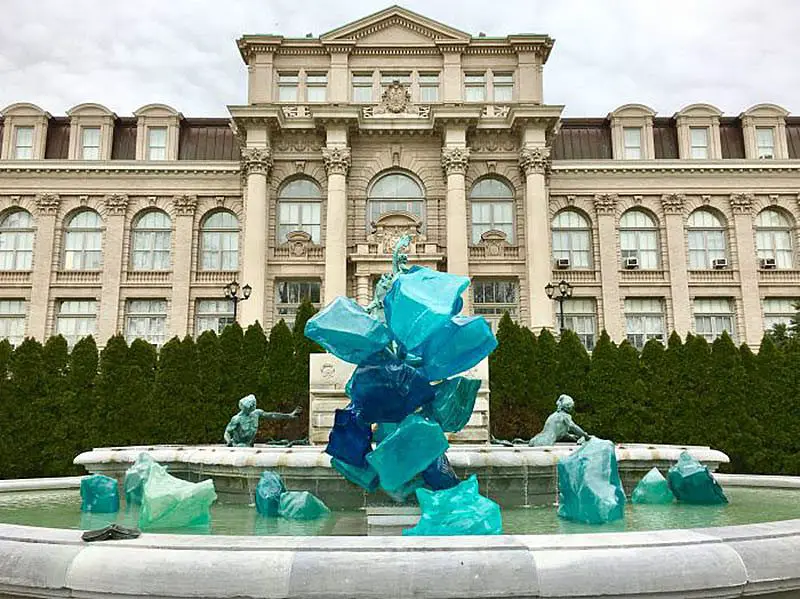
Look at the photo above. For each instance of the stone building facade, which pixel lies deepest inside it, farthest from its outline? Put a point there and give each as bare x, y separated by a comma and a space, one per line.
389, 125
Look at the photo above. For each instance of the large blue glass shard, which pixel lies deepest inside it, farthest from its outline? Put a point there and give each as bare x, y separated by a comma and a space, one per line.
268, 493
406, 490
440, 474
383, 430
135, 478
460, 510
420, 302
365, 478
346, 330
302, 505
458, 345
388, 390
99, 494
652, 489
589, 489
410, 449
350, 438
453, 403
170, 502
691, 482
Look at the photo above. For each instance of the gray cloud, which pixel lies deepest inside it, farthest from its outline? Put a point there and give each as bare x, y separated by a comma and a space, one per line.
730, 53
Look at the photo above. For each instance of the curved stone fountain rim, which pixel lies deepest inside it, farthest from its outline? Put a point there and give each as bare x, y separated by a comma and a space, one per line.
747, 560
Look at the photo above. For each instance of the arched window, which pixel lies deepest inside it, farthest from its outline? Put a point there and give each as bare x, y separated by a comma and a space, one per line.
219, 242
299, 203
572, 239
706, 239
638, 238
395, 192
83, 241
774, 238
16, 240
151, 240
492, 203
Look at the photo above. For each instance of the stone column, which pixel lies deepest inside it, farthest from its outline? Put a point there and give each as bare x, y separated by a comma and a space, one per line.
337, 164
742, 204
605, 206
534, 162
113, 266
454, 163
673, 205
47, 205
185, 206
362, 289
256, 166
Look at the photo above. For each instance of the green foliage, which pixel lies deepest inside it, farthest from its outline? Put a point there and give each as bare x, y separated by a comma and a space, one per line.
303, 348
254, 355
282, 390
214, 407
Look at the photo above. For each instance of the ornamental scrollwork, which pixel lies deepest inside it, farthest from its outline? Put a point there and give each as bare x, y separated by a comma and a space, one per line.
185, 205
535, 161
606, 203
673, 203
256, 161
116, 204
455, 160
48, 203
336, 160
742, 203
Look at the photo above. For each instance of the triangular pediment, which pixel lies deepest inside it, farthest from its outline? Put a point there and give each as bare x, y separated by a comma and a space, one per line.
395, 26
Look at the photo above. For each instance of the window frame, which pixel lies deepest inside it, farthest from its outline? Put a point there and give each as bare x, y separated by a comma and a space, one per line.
569, 232
472, 81
151, 147
289, 82
204, 250
706, 151
290, 308
588, 338
637, 232
626, 148
217, 314
362, 81
84, 146
316, 81
771, 317
18, 234
507, 84
760, 154
410, 201
714, 318
425, 81
157, 339
70, 230
64, 317
493, 311
638, 338
313, 229
705, 231
495, 203
772, 231
16, 147
11, 320
150, 236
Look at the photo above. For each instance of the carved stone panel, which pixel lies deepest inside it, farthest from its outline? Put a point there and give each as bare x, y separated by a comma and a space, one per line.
392, 226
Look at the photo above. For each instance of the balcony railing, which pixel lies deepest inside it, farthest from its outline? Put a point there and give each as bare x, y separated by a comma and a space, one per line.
642, 276
779, 276
78, 277
575, 276
722, 275
217, 277
148, 277
488, 252
10, 277
308, 253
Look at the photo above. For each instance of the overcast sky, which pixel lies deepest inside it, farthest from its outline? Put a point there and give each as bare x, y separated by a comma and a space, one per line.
663, 53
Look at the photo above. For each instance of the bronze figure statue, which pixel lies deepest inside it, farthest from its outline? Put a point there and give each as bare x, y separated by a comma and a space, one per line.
559, 425
241, 430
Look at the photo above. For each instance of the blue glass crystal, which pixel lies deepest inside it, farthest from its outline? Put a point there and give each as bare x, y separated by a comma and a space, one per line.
691, 482
350, 438
652, 489
365, 478
388, 390
383, 430
346, 330
135, 479
268, 493
453, 403
410, 449
99, 494
458, 345
420, 302
301, 505
406, 490
440, 474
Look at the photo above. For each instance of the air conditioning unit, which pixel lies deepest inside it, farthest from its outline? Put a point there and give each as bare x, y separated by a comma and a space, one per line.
719, 263
766, 157
562, 263
631, 262
768, 263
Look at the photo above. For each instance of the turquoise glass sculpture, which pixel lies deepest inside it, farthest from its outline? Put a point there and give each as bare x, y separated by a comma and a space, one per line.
301, 505
170, 502
589, 488
269, 489
388, 390
440, 474
350, 437
460, 510
365, 477
383, 430
453, 403
652, 489
406, 490
135, 478
99, 494
691, 482
410, 449
468, 339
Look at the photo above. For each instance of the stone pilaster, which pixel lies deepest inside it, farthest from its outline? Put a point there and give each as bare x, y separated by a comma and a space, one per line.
256, 167
673, 206
116, 207
605, 206
47, 207
337, 165
184, 208
454, 163
742, 206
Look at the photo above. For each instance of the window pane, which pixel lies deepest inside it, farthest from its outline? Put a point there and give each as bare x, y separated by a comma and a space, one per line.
699, 142
316, 94
765, 140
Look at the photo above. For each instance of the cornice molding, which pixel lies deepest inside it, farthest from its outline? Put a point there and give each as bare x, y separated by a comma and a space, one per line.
649, 167
122, 168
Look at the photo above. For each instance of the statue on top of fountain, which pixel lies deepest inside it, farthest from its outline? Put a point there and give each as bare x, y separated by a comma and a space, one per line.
559, 425
241, 430
399, 266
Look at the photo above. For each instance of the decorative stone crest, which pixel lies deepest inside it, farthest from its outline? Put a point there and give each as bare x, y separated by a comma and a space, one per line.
337, 160
396, 97
256, 161
495, 243
495, 112
742, 203
185, 205
116, 204
672, 203
48, 203
298, 243
535, 161
455, 160
605, 203
392, 226
328, 372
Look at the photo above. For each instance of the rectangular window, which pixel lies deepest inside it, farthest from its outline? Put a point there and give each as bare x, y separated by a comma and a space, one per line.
362, 88
580, 316
213, 315
12, 320
316, 87
146, 319
644, 320
699, 140
778, 310
299, 216
712, 316
428, 87
290, 294
491, 298
156, 143
492, 215
503, 87
633, 143
387, 78
288, 84
765, 142
23, 143
90, 143
76, 319
475, 87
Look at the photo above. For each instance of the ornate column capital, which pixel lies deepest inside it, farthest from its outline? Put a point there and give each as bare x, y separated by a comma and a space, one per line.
535, 161
185, 205
742, 203
336, 160
116, 204
256, 161
605, 203
672, 203
455, 161
48, 203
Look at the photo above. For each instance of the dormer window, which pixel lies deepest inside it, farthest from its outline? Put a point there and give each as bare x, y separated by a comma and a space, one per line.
156, 143
23, 143
633, 142
90, 143
764, 132
91, 132
288, 84
698, 136
765, 143
475, 87
632, 132
157, 132
503, 87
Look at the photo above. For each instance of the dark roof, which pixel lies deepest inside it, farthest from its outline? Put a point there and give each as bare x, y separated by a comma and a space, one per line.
793, 137
123, 145
665, 138
731, 137
588, 139
207, 139
57, 144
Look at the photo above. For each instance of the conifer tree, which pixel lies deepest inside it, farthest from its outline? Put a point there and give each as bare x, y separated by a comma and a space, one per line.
232, 385
545, 382
83, 361
655, 379
142, 362
7, 442
254, 356
597, 405
27, 388
281, 389
113, 409
573, 366
213, 409
53, 444
631, 406
303, 348
505, 374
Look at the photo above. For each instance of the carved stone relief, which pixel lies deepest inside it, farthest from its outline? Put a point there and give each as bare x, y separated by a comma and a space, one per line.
392, 226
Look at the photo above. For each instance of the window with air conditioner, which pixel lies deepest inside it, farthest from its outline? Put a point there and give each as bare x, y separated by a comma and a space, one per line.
572, 240
774, 239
